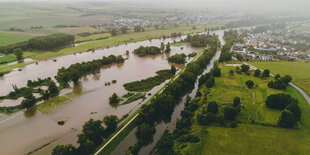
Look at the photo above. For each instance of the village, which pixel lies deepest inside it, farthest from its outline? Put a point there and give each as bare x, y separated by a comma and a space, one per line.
270, 46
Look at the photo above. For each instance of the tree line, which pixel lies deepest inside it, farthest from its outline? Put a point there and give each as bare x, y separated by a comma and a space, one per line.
162, 106
75, 71
44, 43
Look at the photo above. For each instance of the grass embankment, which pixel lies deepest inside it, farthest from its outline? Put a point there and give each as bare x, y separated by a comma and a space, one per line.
116, 40
248, 138
10, 38
149, 83
134, 98
300, 71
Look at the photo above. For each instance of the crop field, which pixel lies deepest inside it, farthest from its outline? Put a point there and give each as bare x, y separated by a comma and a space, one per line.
9, 38
248, 138
7, 58
300, 71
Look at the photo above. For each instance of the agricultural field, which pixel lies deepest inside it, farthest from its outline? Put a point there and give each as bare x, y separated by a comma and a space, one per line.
7, 58
300, 71
248, 138
7, 38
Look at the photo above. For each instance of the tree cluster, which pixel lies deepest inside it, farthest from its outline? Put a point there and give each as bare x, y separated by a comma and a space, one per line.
93, 134
144, 51
281, 83
178, 58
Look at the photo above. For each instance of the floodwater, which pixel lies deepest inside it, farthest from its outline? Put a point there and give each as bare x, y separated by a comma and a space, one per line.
131, 139
29, 131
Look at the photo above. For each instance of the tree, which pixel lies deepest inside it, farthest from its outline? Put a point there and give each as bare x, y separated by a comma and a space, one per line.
277, 77
249, 84
168, 48
53, 90
231, 73
113, 32
279, 101
173, 69
138, 28
145, 133
245, 68
216, 72
111, 123
162, 46
64, 150
212, 107
230, 113
237, 101
18, 52
114, 99
210, 82
294, 108
165, 144
287, 119
124, 30
91, 136
257, 73
286, 79
266, 73
29, 100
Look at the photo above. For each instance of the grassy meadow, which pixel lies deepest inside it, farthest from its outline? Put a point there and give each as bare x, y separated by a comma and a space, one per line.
248, 138
300, 71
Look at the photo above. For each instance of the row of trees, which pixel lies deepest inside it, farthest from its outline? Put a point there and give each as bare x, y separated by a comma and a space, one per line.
93, 134
41, 43
75, 71
162, 106
280, 83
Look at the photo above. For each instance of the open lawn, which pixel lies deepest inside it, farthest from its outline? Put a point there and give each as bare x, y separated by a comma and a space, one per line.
300, 71
9, 38
227, 87
248, 138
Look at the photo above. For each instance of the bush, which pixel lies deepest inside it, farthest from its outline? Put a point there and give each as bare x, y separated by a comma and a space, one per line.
237, 101
230, 113
216, 72
61, 122
212, 107
114, 99
245, 68
266, 73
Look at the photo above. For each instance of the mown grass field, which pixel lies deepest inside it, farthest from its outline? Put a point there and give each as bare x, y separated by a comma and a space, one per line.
9, 38
300, 71
249, 138
7, 58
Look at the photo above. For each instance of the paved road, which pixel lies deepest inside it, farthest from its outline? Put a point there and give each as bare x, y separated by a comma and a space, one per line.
306, 96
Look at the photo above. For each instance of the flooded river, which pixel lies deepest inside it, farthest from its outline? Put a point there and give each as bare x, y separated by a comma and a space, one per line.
25, 132
131, 139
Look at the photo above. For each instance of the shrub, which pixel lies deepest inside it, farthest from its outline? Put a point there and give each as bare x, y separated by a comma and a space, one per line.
249, 84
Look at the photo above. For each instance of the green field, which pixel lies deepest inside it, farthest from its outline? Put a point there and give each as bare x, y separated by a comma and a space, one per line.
248, 138
10, 38
300, 71
7, 58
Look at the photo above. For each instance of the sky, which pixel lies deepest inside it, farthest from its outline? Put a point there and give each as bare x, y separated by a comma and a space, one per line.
288, 5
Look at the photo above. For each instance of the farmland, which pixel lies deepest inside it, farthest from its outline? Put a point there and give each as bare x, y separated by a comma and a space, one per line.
9, 38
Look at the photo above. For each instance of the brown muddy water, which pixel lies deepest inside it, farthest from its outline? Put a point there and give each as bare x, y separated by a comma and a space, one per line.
39, 133
131, 139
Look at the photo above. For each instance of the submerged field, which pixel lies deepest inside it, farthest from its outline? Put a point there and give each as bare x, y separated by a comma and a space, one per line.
300, 71
248, 137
